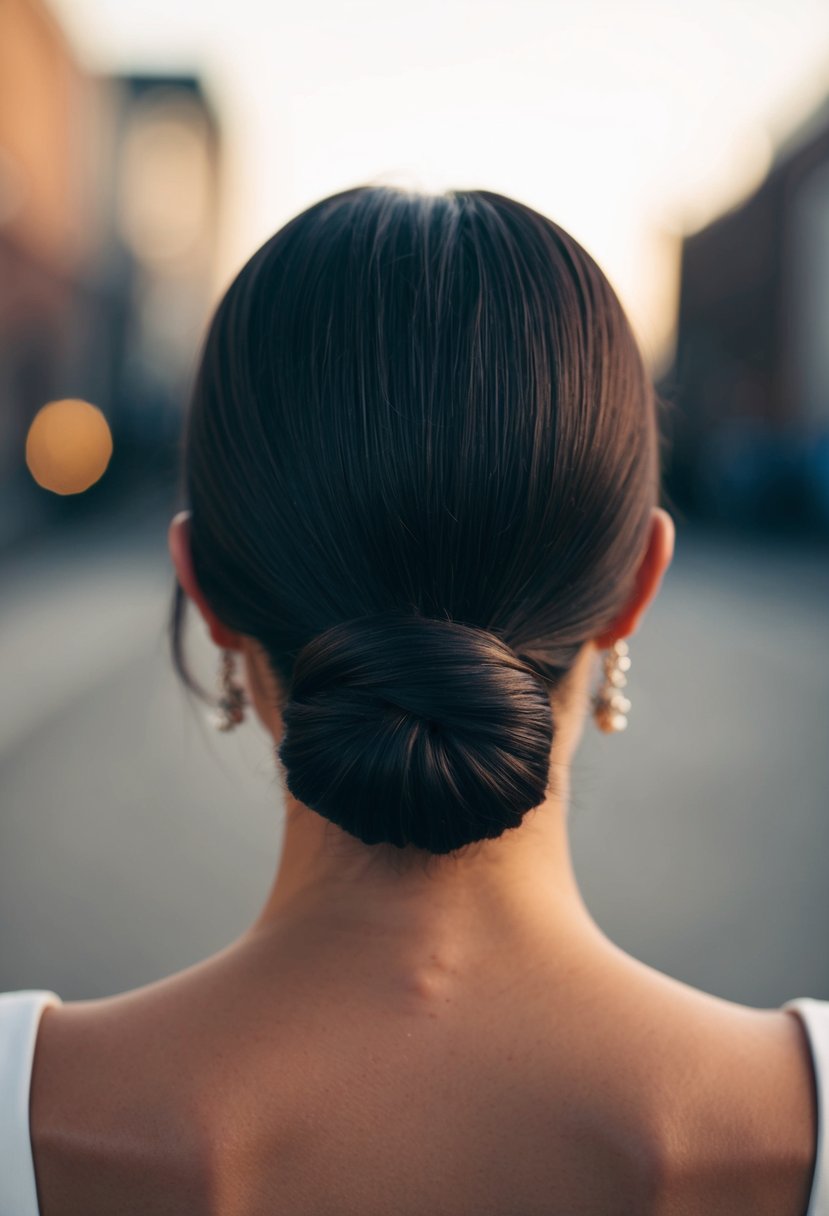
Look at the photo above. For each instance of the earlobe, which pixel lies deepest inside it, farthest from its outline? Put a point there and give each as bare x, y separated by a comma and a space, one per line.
178, 542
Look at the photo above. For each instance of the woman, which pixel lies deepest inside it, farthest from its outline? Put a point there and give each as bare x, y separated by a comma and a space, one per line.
422, 467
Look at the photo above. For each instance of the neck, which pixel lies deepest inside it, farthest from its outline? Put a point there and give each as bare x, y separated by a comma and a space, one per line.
521, 883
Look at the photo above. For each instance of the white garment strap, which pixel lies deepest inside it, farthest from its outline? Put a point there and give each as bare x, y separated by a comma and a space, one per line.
20, 1014
814, 1015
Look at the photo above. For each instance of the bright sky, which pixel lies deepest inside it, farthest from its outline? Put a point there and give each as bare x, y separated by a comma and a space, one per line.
626, 121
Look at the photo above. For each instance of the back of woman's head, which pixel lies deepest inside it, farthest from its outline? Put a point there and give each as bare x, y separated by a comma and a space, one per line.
421, 459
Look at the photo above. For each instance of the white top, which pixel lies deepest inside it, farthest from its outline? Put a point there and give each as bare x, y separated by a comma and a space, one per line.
815, 1018
20, 1017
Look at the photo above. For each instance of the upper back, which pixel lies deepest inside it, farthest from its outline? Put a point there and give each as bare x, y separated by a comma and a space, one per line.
491, 1092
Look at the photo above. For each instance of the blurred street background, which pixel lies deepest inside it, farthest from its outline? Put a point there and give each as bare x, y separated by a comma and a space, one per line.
145, 152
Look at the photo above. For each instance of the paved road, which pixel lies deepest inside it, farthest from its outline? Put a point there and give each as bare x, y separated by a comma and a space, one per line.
134, 841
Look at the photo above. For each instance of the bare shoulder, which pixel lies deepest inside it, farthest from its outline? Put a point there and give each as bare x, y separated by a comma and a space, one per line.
115, 1103
735, 1107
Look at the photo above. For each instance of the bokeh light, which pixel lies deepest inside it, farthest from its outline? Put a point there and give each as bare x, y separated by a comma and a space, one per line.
164, 190
68, 446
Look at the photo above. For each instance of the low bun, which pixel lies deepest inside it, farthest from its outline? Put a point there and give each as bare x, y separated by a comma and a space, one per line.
412, 730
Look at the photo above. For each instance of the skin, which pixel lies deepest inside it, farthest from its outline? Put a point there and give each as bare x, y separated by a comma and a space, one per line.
451, 1039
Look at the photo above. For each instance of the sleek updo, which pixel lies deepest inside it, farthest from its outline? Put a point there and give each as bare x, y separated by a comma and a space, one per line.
421, 458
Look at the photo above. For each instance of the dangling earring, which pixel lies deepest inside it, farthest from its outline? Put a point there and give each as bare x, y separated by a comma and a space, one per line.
610, 705
232, 699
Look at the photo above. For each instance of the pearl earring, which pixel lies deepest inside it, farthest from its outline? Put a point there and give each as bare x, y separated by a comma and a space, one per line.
232, 699
610, 705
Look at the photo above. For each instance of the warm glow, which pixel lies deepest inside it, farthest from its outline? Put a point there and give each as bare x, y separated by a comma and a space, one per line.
68, 446
164, 187
628, 124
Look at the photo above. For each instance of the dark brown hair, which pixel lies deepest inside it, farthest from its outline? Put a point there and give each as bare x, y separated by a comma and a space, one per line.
421, 459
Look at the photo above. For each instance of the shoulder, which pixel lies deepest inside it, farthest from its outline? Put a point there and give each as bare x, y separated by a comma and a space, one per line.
111, 1090
727, 1092
742, 1135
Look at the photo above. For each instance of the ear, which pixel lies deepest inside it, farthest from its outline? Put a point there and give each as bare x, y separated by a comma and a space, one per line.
178, 540
657, 558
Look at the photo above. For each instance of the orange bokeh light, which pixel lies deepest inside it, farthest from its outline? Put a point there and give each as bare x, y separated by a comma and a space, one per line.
68, 446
